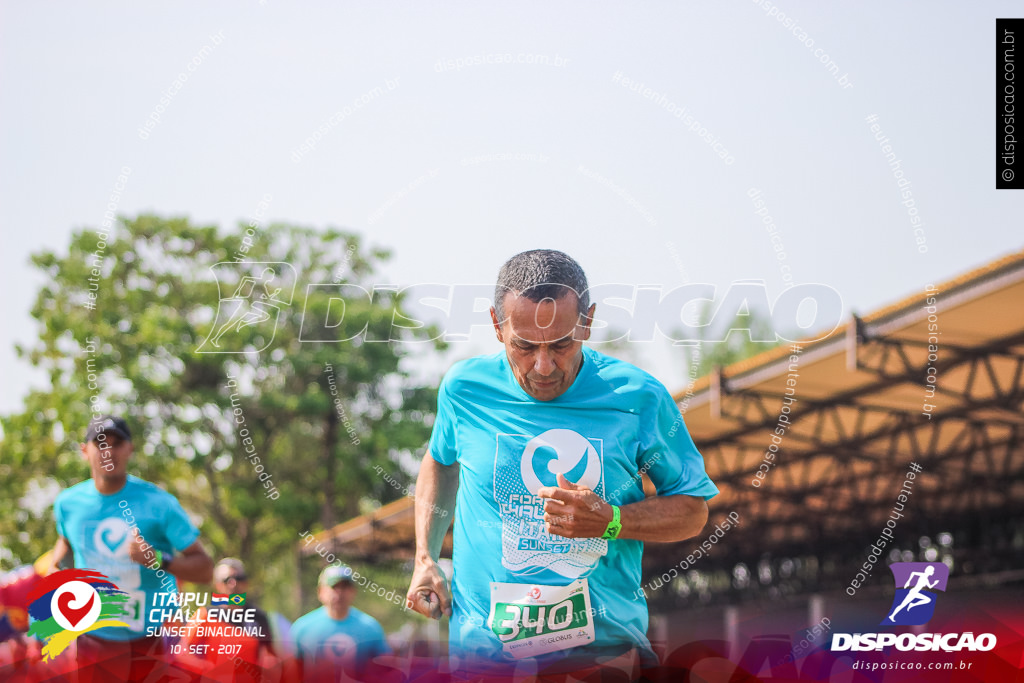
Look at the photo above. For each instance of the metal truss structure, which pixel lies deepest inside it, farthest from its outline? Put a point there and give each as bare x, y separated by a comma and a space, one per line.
937, 380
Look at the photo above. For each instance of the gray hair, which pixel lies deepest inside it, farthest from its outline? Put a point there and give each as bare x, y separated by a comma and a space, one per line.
541, 274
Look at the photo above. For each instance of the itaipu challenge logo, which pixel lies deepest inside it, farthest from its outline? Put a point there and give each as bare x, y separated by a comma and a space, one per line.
68, 603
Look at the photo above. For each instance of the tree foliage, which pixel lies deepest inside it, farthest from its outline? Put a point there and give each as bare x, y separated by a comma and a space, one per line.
121, 325
722, 347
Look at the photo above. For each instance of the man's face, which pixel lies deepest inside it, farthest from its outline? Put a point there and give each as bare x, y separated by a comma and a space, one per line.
544, 342
339, 597
108, 457
229, 580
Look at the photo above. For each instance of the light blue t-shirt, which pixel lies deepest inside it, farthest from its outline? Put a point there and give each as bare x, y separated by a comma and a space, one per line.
324, 643
613, 423
99, 529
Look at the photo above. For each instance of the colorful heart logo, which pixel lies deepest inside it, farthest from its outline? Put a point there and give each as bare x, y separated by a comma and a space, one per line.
70, 602
72, 614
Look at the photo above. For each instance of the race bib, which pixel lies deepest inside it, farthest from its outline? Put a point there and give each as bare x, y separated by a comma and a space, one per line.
531, 619
136, 608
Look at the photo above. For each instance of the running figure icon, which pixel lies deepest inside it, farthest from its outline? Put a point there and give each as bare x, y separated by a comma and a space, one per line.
250, 311
915, 598
252, 298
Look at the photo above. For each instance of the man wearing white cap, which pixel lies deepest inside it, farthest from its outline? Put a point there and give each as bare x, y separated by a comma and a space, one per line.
336, 635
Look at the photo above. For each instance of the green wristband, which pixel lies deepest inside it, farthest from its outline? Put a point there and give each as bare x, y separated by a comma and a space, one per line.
165, 560
614, 526
159, 561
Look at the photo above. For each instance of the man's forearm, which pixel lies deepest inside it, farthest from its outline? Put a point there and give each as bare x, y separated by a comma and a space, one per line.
197, 567
436, 487
663, 519
61, 550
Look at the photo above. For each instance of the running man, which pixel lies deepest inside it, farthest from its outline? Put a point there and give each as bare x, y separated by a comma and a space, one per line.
335, 636
138, 535
914, 598
539, 449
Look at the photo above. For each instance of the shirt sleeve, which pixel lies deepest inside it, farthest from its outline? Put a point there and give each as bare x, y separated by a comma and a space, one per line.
381, 646
180, 531
668, 454
58, 514
296, 634
443, 447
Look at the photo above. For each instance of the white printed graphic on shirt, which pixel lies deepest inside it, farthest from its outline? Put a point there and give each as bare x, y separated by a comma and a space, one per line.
109, 553
112, 537
522, 465
341, 648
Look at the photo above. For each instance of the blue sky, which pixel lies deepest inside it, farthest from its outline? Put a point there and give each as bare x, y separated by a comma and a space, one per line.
457, 167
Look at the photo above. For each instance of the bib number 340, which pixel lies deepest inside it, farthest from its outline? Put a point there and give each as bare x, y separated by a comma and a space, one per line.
514, 621
532, 619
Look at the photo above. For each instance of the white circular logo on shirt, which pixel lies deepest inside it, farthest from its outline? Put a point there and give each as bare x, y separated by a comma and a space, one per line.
112, 537
340, 647
560, 451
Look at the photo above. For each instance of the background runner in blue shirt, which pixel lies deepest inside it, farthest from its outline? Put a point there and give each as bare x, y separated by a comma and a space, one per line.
541, 447
136, 534
336, 636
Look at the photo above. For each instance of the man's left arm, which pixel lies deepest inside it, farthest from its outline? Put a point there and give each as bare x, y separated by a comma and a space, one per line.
576, 512
192, 564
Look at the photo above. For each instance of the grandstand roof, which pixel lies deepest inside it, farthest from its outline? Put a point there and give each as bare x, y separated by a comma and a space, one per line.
933, 379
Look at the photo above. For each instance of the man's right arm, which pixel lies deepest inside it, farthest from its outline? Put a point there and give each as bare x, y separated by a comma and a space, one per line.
61, 550
436, 487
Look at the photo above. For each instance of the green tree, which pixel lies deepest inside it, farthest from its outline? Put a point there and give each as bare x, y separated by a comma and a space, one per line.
727, 345
125, 326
